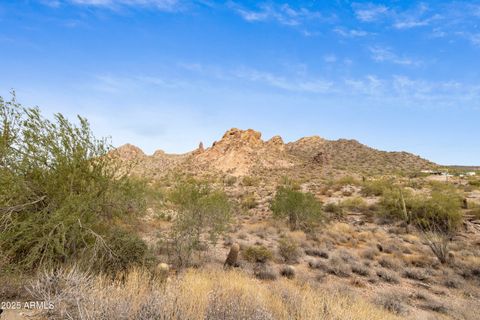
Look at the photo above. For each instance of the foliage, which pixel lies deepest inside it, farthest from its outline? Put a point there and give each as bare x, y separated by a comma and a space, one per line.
249, 202
127, 250
289, 250
59, 189
257, 254
201, 211
440, 209
355, 204
301, 209
248, 181
335, 209
375, 187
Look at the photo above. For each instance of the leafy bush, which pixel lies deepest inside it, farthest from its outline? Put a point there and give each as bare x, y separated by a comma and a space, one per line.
127, 250
441, 209
200, 211
259, 254
59, 189
375, 187
301, 209
288, 249
355, 204
334, 209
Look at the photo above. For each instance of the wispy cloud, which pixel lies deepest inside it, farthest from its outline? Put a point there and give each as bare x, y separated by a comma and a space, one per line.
164, 5
385, 54
418, 16
285, 83
351, 33
370, 12
283, 14
114, 83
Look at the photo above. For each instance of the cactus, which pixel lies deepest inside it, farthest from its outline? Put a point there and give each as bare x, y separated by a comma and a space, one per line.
231, 260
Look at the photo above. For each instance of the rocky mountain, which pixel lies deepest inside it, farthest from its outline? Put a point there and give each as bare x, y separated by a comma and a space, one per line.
244, 152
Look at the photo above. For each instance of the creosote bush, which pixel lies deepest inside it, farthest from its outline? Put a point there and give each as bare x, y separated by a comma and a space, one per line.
302, 209
60, 190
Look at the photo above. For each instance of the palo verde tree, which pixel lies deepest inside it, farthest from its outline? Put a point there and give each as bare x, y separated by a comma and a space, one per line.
59, 190
203, 214
301, 209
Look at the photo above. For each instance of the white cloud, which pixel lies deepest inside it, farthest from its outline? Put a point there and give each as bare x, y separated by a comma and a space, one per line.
283, 14
285, 83
166, 5
383, 54
370, 12
351, 33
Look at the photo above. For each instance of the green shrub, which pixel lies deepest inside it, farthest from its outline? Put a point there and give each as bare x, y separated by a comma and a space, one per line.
354, 204
59, 189
440, 210
203, 214
474, 183
375, 187
259, 254
249, 202
334, 209
248, 181
301, 209
289, 250
127, 250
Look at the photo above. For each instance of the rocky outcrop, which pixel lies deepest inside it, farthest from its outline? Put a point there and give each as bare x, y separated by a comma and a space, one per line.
241, 151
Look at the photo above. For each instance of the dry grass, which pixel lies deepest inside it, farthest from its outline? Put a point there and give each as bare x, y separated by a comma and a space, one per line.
195, 295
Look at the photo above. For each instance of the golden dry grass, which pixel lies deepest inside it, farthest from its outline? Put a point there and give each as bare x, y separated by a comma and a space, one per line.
198, 295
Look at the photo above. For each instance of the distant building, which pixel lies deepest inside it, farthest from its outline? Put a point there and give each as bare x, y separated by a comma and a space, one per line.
470, 174
431, 172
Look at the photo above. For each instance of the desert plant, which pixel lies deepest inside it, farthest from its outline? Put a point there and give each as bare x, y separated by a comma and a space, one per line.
334, 209
249, 202
441, 208
248, 181
301, 209
388, 276
416, 274
393, 301
360, 269
203, 214
258, 253
375, 187
289, 250
316, 253
357, 204
288, 272
195, 295
60, 189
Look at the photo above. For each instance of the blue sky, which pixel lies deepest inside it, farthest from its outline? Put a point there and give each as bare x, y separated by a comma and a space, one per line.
166, 74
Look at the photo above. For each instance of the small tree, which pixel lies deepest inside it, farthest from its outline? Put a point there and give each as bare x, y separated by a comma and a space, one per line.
59, 190
203, 215
301, 209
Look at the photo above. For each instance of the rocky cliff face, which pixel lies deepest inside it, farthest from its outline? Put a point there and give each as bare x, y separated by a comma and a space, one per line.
243, 152
240, 151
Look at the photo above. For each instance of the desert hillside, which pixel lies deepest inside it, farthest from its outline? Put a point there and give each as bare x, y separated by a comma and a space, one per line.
243, 152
